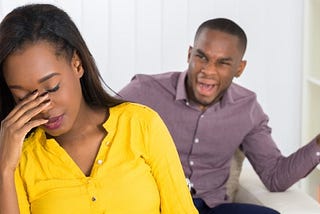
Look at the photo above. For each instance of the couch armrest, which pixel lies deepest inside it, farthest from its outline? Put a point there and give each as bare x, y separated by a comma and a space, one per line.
292, 201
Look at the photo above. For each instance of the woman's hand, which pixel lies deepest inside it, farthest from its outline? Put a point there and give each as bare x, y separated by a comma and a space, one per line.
16, 125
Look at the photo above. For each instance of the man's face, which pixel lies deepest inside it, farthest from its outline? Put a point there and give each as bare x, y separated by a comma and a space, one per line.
214, 61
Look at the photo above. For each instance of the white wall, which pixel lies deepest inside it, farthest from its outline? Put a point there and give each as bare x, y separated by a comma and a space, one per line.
151, 36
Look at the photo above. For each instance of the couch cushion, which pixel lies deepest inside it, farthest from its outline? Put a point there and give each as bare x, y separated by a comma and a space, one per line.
293, 201
235, 170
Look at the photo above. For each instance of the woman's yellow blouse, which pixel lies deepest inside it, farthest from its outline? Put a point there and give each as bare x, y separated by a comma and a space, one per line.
136, 171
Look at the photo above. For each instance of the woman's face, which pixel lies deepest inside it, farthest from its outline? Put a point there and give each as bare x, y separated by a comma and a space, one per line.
38, 67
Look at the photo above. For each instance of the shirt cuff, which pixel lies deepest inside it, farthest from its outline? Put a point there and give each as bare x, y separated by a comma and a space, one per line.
315, 148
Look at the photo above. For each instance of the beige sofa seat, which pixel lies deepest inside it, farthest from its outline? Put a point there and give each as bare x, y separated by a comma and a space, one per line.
244, 186
292, 201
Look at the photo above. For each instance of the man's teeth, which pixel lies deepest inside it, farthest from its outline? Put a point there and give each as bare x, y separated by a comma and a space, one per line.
206, 86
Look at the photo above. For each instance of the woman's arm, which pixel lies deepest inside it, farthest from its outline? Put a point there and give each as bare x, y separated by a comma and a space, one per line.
8, 196
167, 171
13, 130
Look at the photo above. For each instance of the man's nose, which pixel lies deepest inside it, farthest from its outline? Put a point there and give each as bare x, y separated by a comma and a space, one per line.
209, 68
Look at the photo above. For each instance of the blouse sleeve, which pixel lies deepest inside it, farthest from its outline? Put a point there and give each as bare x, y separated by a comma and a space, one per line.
23, 202
167, 170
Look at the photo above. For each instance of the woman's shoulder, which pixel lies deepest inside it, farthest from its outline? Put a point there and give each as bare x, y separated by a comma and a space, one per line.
34, 137
131, 109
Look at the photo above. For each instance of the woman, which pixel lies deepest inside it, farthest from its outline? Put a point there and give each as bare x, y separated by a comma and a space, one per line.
66, 146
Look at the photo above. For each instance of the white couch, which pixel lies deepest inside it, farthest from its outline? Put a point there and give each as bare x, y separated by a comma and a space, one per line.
292, 201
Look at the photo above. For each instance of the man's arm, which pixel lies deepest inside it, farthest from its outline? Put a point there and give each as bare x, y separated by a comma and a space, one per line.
276, 171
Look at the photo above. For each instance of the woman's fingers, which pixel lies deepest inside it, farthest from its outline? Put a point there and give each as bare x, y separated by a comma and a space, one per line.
28, 115
17, 124
16, 129
28, 108
22, 118
32, 124
26, 100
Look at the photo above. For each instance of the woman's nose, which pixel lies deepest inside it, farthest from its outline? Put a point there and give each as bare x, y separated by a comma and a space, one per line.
46, 100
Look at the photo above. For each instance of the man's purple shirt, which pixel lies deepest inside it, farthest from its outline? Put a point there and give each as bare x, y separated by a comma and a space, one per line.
206, 140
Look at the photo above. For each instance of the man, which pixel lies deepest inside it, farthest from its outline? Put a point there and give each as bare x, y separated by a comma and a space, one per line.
209, 117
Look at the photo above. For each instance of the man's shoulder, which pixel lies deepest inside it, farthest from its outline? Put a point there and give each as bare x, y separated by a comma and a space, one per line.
149, 88
161, 78
152, 83
240, 93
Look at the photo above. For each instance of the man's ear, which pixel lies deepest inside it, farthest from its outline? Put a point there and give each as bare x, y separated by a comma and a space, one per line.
189, 53
76, 64
241, 68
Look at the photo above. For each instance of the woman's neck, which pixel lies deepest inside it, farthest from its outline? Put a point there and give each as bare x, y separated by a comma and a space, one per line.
89, 122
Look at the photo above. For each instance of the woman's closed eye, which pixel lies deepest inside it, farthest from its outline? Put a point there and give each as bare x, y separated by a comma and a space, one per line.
54, 89
51, 90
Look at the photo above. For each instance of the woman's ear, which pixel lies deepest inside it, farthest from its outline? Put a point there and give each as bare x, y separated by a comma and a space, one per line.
76, 64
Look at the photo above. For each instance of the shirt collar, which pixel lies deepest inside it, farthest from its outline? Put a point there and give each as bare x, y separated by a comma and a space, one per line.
227, 96
181, 87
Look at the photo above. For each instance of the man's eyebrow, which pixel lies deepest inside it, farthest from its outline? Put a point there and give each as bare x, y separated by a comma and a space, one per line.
221, 59
226, 59
200, 52
45, 78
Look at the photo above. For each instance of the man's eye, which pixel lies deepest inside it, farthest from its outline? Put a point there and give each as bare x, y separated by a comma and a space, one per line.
225, 63
56, 88
201, 57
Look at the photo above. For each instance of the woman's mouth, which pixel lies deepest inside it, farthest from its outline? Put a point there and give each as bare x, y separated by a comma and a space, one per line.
54, 122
